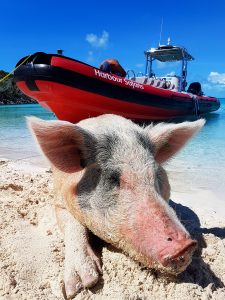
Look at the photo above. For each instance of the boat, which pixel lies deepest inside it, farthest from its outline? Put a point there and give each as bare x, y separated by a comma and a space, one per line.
74, 90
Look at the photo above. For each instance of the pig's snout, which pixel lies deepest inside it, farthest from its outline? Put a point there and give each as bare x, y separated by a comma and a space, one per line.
159, 238
178, 255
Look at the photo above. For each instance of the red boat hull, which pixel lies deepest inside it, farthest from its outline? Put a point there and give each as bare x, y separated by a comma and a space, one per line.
75, 91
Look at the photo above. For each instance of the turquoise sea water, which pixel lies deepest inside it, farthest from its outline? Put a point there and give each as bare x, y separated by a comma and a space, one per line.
200, 164
15, 138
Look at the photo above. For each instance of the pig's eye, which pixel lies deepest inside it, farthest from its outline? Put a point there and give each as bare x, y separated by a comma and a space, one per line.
114, 178
82, 163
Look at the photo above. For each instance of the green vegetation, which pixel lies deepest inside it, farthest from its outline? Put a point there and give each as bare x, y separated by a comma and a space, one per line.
9, 93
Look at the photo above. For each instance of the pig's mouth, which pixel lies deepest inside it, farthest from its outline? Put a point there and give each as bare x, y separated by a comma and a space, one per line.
177, 261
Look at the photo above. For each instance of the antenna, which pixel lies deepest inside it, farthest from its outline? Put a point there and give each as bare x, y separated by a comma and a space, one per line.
160, 32
168, 43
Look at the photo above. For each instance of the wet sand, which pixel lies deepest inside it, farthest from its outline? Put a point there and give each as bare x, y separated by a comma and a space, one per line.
32, 248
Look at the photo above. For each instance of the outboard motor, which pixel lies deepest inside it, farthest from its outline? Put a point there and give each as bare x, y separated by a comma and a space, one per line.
195, 88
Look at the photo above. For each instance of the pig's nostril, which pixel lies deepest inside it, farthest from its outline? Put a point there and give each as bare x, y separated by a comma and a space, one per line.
181, 258
169, 239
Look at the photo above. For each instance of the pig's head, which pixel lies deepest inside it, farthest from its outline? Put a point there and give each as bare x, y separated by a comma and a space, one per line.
118, 187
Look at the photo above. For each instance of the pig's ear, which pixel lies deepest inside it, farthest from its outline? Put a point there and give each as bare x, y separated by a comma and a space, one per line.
169, 138
61, 142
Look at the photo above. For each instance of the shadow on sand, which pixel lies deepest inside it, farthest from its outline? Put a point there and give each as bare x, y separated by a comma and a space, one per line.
198, 272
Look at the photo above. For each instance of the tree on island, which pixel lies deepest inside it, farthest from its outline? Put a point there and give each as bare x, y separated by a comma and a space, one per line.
9, 92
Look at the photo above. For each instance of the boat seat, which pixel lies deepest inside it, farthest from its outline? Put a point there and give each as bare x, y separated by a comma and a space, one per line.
158, 83
150, 81
142, 79
168, 85
173, 83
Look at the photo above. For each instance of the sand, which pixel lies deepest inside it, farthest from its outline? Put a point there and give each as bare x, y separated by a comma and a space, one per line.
32, 248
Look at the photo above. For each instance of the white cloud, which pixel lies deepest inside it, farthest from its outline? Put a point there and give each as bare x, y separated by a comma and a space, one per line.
139, 65
206, 86
98, 42
217, 78
215, 82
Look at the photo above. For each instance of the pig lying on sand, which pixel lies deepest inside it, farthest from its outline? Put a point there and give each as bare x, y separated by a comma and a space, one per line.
109, 179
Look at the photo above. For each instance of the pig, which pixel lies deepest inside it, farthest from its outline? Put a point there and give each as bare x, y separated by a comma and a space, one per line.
109, 179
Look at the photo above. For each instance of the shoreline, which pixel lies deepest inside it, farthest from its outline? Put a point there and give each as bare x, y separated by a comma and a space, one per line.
33, 252
4, 102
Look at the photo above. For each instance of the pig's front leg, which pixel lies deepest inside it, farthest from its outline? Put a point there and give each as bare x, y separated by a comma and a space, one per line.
82, 266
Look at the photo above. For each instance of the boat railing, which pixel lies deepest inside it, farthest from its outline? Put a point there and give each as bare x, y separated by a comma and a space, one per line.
128, 75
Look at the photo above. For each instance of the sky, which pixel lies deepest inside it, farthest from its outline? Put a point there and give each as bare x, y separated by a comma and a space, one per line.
91, 31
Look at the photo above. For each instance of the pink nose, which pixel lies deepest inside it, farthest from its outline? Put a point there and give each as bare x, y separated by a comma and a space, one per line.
179, 255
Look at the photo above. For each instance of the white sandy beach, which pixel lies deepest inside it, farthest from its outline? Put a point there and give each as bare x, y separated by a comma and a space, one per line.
32, 249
